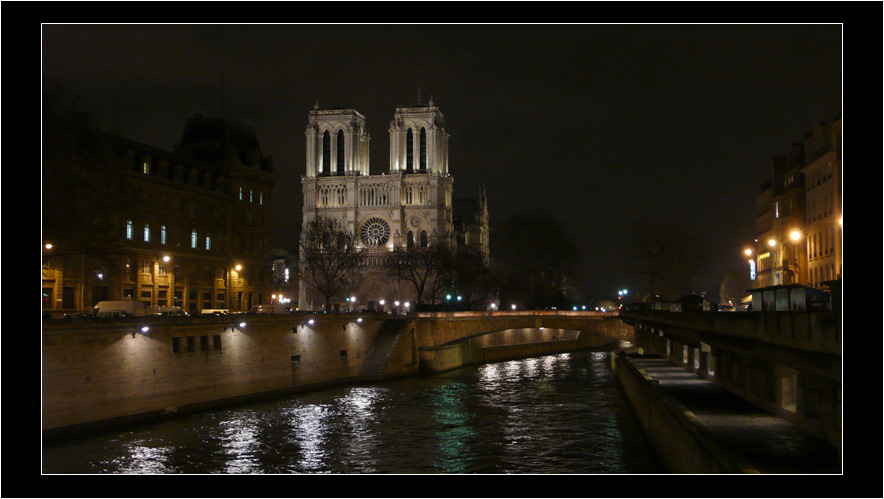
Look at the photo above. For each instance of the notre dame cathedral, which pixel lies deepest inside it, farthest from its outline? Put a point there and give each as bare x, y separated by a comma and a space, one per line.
408, 206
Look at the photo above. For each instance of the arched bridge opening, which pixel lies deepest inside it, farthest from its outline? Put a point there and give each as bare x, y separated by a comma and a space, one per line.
453, 339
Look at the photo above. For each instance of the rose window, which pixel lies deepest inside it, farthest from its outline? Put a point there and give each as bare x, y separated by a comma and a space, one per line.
375, 232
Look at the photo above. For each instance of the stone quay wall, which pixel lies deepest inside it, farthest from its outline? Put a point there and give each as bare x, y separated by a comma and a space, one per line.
102, 373
97, 373
673, 430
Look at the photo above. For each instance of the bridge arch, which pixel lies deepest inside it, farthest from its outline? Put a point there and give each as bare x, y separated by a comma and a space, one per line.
453, 339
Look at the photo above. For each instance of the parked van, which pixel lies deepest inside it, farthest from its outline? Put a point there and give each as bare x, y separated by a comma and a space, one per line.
167, 311
270, 309
118, 308
214, 311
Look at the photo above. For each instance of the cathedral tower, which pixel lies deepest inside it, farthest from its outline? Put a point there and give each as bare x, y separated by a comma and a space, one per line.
408, 206
337, 143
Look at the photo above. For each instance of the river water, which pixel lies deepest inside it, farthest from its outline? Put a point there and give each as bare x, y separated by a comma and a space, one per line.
555, 414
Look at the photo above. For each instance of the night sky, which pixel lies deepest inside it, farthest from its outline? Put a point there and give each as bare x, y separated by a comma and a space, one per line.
599, 125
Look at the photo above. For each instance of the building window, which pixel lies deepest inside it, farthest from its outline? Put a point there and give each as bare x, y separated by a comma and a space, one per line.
424, 241
208, 243
326, 152
423, 149
162, 234
216, 342
129, 229
176, 345
193, 239
145, 167
240, 193
340, 164
409, 151
147, 233
261, 198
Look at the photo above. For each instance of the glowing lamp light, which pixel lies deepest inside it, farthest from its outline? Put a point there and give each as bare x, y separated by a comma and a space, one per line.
242, 324
772, 242
145, 329
795, 235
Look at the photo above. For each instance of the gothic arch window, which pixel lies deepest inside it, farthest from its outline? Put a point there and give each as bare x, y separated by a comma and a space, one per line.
340, 151
409, 151
410, 240
424, 241
423, 165
326, 152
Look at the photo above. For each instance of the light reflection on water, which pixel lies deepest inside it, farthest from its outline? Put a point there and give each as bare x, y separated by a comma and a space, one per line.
554, 414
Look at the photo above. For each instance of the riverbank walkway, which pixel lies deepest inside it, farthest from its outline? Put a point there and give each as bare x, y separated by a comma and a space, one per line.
764, 442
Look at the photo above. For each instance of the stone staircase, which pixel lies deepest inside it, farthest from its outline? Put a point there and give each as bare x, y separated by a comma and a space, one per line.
379, 354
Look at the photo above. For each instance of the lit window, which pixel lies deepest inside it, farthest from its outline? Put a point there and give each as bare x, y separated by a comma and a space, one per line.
261, 198
145, 167
129, 229
147, 233
193, 239
162, 234
208, 243
240, 193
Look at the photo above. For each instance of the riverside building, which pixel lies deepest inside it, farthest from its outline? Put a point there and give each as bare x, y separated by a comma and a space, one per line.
125, 220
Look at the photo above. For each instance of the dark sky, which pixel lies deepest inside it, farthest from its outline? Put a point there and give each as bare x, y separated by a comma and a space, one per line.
599, 125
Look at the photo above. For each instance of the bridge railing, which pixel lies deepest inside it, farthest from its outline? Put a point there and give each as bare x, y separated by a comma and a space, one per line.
814, 331
512, 313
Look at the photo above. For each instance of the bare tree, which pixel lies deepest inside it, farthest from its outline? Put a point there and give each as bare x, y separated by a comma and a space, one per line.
421, 266
669, 257
331, 263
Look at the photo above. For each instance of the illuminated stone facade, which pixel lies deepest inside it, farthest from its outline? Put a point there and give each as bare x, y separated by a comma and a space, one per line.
798, 213
124, 220
409, 205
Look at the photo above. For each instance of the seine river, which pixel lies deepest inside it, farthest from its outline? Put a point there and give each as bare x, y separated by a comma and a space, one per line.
555, 414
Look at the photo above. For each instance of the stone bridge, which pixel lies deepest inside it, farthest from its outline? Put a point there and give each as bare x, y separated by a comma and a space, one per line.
452, 339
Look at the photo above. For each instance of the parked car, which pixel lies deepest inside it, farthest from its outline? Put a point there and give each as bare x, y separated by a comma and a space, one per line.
167, 311
270, 309
214, 311
118, 308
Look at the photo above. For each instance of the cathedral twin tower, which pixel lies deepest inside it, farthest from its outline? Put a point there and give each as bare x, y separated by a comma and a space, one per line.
410, 205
